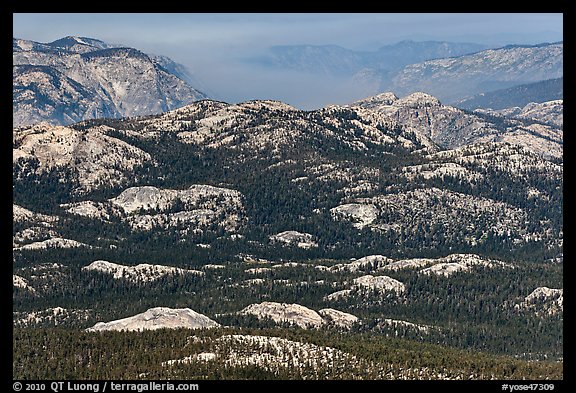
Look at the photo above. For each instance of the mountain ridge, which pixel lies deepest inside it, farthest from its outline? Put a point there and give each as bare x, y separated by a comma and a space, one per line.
452, 78
334, 59
415, 140
517, 96
105, 81
451, 127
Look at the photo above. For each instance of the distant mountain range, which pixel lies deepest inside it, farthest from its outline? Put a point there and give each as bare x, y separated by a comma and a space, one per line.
453, 72
335, 60
517, 96
452, 79
78, 78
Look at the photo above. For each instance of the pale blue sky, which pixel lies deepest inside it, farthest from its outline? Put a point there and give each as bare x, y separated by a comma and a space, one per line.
212, 44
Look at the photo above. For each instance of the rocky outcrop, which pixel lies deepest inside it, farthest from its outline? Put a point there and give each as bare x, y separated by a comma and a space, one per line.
159, 318
195, 207
55, 242
369, 285
338, 318
461, 263
90, 158
298, 315
358, 214
551, 112
294, 238
54, 316
147, 207
294, 314
22, 283
380, 284
368, 263
31, 227
273, 354
143, 272
544, 301
396, 325
148, 198
450, 127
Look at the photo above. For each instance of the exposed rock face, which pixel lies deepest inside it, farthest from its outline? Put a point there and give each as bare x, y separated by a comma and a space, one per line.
369, 285
31, 227
258, 270
22, 283
283, 312
368, 263
189, 210
294, 238
53, 316
434, 207
152, 198
91, 209
143, 272
92, 158
338, 294
378, 101
212, 266
461, 263
146, 198
544, 293
338, 318
380, 284
451, 127
408, 264
78, 78
445, 269
56, 242
218, 125
288, 265
272, 354
400, 324
546, 112
38, 278
439, 171
544, 301
418, 100
22, 215
197, 206
42, 93
159, 318
360, 215
444, 266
